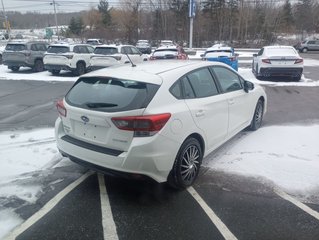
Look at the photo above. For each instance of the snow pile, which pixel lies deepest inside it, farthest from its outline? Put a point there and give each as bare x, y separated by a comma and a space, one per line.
286, 155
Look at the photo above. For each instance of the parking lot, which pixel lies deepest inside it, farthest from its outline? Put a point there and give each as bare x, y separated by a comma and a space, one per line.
74, 203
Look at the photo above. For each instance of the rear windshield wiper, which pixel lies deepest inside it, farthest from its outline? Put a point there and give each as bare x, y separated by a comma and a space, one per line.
100, 105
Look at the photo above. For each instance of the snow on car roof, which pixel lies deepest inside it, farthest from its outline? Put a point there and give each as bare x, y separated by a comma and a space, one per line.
220, 48
280, 50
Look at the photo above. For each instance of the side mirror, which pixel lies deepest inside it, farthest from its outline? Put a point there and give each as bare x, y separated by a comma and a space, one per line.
202, 55
248, 86
255, 55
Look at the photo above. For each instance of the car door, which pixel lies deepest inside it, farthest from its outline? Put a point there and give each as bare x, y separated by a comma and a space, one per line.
239, 102
209, 109
126, 51
136, 55
85, 55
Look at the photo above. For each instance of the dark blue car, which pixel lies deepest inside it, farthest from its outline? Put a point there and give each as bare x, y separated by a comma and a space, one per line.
221, 53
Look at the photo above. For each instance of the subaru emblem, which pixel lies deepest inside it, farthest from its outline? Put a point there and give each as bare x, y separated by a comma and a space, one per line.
85, 119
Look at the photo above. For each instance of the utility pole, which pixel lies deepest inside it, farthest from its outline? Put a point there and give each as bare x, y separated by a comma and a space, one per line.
6, 20
56, 19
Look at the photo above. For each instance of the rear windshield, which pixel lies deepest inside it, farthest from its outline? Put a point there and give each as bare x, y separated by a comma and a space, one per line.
166, 50
16, 47
58, 49
214, 51
110, 94
280, 51
105, 50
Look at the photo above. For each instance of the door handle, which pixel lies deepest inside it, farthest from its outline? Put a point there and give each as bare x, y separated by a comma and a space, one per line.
200, 113
231, 101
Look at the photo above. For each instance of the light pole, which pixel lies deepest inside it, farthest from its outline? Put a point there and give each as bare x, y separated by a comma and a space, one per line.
191, 15
56, 19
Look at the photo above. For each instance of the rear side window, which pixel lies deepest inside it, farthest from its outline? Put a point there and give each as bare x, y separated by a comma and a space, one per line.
16, 47
58, 49
105, 50
110, 94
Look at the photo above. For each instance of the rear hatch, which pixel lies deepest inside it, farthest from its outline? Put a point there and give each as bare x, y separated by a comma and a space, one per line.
57, 55
94, 101
16, 52
105, 56
165, 54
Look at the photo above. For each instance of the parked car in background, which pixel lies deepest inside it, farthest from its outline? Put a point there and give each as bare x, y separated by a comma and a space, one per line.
109, 55
277, 61
144, 46
1, 51
169, 52
166, 43
308, 45
222, 53
157, 119
24, 54
94, 41
70, 57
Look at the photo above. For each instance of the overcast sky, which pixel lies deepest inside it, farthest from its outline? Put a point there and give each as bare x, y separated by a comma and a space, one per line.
43, 6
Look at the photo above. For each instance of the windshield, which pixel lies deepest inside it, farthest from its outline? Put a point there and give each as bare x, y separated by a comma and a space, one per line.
110, 94
58, 49
105, 50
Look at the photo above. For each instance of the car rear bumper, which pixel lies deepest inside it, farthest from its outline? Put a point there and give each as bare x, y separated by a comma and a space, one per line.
16, 63
51, 67
150, 156
281, 71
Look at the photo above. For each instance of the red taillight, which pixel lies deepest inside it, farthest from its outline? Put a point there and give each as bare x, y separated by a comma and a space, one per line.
232, 58
299, 61
61, 109
143, 126
266, 61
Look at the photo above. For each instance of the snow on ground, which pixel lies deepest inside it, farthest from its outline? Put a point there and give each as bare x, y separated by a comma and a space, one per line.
305, 82
286, 155
27, 74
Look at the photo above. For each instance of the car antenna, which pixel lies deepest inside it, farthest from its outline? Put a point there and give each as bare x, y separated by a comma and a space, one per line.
133, 65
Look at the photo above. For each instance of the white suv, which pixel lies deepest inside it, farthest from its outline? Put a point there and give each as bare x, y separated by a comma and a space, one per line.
109, 55
70, 57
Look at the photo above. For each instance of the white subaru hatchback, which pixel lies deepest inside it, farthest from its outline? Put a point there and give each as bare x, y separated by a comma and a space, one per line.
156, 119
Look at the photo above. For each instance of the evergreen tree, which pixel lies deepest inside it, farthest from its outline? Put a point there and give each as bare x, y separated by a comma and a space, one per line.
105, 11
287, 18
304, 15
76, 26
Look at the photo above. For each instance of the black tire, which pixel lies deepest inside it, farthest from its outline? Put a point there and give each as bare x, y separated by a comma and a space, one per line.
55, 72
304, 50
80, 69
187, 164
257, 73
15, 68
258, 116
38, 66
